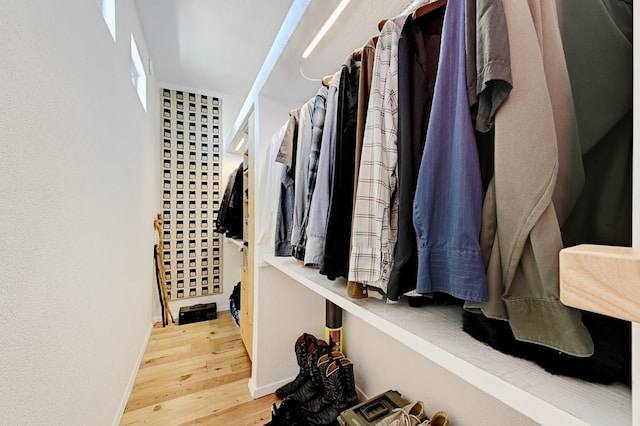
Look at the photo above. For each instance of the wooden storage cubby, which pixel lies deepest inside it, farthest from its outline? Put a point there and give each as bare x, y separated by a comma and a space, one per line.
189, 206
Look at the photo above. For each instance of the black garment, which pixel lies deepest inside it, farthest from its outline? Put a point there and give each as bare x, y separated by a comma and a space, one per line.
602, 214
337, 241
604, 108
229, 219
284, 222
418, 52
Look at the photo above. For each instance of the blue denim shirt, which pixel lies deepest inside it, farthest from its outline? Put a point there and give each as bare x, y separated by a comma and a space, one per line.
448, 204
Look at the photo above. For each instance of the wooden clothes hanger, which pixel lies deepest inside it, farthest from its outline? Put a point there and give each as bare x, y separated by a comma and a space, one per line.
428, 8
356, 56
421, 11
326, 81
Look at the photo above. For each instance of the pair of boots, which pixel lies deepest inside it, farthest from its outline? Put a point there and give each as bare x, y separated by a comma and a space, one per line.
414, 415
324, 387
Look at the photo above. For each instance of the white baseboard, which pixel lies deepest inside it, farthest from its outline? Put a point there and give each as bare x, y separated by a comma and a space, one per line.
253, 391
361, 395
132, 378
266, 390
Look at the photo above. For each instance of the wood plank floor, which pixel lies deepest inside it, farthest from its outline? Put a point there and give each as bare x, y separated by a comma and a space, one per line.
196, 374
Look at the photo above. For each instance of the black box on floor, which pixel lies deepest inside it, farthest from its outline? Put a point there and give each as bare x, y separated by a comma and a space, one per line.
195, 313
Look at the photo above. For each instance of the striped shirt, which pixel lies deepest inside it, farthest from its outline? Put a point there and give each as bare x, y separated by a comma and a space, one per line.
375, 225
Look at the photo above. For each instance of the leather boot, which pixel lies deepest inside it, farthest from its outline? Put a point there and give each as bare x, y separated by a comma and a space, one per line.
341, 389
301, 348
323, 401
312, 387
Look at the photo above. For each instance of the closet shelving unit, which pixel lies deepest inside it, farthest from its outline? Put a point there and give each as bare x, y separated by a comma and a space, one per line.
246, 270
290, 299
435, 333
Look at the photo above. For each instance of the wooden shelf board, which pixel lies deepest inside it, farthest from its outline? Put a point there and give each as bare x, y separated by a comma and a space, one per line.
601, 279
436, 333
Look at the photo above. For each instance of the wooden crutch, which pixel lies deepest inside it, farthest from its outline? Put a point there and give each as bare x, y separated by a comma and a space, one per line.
161, 272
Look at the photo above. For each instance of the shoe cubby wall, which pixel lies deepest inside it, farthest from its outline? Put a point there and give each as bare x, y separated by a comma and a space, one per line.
190, 139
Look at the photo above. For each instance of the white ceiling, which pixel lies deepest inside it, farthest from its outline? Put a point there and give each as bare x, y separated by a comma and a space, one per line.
217, 45
220, 45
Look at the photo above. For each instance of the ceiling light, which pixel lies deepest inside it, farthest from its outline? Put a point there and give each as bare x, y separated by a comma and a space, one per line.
327, 25
239, 145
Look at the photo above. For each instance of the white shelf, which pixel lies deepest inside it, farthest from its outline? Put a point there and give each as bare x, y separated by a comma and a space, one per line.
436, 333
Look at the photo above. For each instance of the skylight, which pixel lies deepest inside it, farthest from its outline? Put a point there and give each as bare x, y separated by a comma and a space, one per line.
108, 10
138, 75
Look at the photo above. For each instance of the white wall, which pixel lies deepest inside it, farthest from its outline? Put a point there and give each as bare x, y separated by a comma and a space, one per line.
79, 160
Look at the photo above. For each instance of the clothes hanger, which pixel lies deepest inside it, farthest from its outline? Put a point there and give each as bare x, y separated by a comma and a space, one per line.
421, 11
357, 55
429, 7
327, 80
